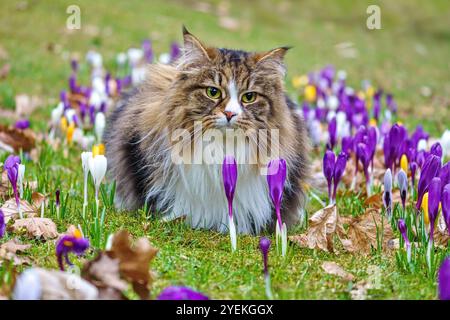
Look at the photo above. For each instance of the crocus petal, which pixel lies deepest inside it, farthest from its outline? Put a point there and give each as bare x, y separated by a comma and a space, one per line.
181, 293
99, 125
276, 177
264, 246
434, 197
339, 169
444, 280
97, 168
436, 149
332, 131
445, 201
2, 224
429, 171
402, 228
229, 175
403, 185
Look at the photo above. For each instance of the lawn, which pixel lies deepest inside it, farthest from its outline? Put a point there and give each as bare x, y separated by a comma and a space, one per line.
408, 57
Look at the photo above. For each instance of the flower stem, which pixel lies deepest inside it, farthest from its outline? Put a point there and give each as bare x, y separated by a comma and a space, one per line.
268, 286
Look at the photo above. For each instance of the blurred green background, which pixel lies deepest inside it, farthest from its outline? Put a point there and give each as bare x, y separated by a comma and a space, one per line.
408, 56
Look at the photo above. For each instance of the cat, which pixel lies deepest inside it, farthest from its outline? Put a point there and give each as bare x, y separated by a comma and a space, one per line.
221, 89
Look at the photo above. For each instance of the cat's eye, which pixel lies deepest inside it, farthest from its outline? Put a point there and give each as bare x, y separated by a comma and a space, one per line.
213, 92
248, 97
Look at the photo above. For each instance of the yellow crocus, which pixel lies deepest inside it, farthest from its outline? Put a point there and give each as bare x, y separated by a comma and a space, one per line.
299, 81
101, 148
69, 133
370, 91
424, 206
310, 93
373, 122
404, 163
95, 150
64, 124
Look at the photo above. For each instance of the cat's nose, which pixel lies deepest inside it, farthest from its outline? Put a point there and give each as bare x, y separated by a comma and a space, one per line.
229, 115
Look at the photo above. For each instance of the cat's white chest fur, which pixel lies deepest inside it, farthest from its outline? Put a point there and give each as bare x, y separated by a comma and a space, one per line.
200, 196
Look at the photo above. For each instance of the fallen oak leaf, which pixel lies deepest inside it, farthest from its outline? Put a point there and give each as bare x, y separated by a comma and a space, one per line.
14, 246
334, 269
38, 198
134, 261
39, 228
17, 139
104, 273
374, 201
362, 232
10, 210
323, 225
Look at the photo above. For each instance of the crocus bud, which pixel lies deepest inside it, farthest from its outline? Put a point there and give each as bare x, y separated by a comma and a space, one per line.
403, 185
264, 246
444, 280
332, 132
413, 167
387, 195
430, 170
445, 201
339, 169
436, 149
434, 197
276, 177
328, 169
424, 207
2, 224
445, 142
57, 195
347, 144
97, 167
404, 163
403, 231
229, 175
444, 174
99, 125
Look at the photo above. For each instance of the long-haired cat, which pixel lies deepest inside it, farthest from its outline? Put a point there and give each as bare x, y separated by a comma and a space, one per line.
221, 89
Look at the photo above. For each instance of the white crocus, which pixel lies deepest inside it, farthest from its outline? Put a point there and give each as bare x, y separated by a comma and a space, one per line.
135, 55
342, 125
332, 102
99, 125
94, 59
445, 143
28, 286
137, 75
97, 168
164, 58
85, 156
422, 145
21, 174
121, 58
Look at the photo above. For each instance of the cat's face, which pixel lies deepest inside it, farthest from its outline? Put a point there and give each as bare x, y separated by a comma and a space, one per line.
228, 88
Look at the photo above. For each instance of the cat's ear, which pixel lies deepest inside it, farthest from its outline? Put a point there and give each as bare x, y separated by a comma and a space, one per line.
274, 54
194, 49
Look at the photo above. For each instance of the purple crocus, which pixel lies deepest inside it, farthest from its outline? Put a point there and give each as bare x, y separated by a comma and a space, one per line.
73, 83
181, 293
445, 201
403, 186
377, 104
74, 243
403, 230
332, 132
276, 177
444, 174
57, 196
229, 175
175, 51
347, 144
430, 170
264, 246
2, 224
11, 166
148, 50
22, 124
436, 149
74, 65
444, 280
390, 103
328, 169
413, 167
339, 168
363, 153
434, 197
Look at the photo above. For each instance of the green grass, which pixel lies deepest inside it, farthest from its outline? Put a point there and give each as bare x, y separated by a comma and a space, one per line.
393, 58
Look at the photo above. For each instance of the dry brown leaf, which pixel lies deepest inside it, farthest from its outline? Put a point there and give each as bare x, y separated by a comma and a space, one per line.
362, 232
335, 269
17, 139
10, 211
38, 198
374, 201
134, 261
323, 225
15, 246
43, 228
104, 273
6, 253
54, 285
360, 290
